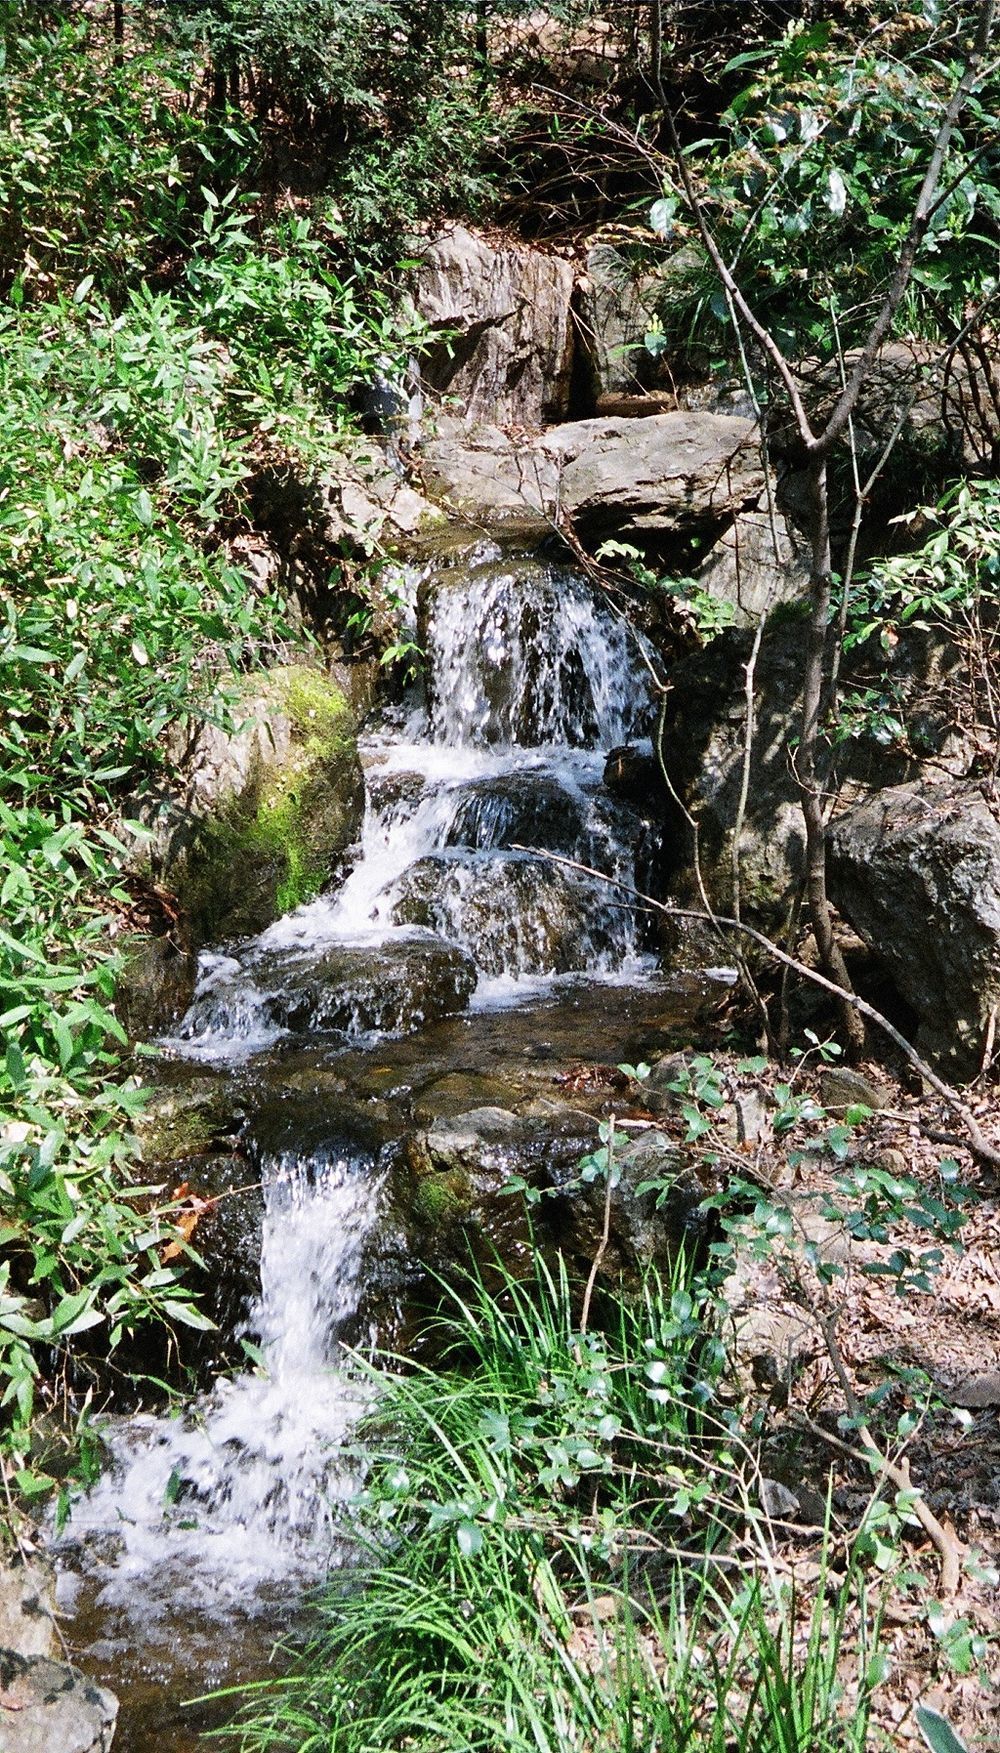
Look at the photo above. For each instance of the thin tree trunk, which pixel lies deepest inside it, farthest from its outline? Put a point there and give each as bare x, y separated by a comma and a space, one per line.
118, 30
810, 781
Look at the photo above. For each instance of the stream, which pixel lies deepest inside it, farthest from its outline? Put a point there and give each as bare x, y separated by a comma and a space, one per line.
457, 966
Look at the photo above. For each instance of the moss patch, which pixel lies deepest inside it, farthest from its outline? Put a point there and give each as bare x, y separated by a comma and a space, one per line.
441, 1200
273, 845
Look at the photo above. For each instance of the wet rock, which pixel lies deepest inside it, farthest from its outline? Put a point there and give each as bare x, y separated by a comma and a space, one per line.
345, 988
916, 871
632, 773
262, 813
494, 813
458, 1092
197, 1119
50, 1707
520, 915
508, 355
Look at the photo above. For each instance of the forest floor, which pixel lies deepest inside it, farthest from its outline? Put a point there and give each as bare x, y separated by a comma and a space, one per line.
929, 1358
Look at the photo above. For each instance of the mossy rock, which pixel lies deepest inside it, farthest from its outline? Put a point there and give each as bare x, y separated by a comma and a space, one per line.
285, 797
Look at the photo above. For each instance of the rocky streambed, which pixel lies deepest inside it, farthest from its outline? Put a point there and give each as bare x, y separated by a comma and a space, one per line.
352, 1089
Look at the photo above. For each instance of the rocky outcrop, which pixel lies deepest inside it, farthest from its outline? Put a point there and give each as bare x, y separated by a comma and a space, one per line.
508, 353
916, 870
756, 564
704, 733
616, 306
668, 478
949, 416
263, 811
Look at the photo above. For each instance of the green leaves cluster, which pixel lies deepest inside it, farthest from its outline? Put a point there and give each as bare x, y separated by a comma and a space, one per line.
811, 183
131, 420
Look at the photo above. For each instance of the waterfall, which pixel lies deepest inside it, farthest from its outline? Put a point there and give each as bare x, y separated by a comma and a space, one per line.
242, 1489
453, 901
531, 678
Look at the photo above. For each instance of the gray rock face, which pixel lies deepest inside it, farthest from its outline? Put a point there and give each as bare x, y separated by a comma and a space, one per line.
675, 474
509, 359
49, 1707
916, 871
754, 566
615, 309
703, 745
949, 417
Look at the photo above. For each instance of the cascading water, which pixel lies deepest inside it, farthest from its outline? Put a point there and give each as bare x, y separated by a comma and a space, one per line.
451, 905
242, 1489
530, 680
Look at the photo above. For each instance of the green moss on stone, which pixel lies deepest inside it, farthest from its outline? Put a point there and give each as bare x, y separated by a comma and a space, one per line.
442, 1199
269, 849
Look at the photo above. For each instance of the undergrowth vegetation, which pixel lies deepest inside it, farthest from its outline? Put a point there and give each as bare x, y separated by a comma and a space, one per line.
560, 1550
810, 180
160, 335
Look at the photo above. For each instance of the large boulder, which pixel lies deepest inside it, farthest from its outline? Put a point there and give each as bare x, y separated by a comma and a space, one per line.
675, 475
704, 736
262, 812
345, 989
506, 354
668, 479
916, 871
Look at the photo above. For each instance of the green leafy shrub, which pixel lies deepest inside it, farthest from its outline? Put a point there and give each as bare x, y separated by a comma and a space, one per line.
99, 163
811, 188
131, 420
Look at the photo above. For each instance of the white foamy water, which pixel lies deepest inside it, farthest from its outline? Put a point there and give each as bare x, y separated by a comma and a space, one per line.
243, 1489
531, 679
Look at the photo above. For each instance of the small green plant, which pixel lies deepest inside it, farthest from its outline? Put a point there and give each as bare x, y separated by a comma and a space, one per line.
524, 1521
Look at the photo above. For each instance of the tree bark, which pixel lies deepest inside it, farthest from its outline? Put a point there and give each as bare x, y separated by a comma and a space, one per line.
814, 671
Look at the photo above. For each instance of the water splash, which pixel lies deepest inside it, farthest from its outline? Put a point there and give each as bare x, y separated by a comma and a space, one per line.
243, 1488
525, 654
